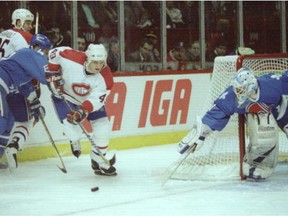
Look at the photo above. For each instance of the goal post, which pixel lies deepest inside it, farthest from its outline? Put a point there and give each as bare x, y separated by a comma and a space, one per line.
222, 154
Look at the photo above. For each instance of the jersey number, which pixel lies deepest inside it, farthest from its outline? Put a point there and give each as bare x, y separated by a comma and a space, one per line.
102, 98
2, 45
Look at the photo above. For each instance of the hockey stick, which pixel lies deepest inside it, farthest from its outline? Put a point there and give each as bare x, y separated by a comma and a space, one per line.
62, 167
112, 160
188, 152
36, 23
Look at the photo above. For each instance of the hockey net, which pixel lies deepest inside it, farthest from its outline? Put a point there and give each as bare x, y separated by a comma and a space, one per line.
221, 156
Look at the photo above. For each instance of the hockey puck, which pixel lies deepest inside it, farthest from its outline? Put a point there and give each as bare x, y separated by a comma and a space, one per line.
94, 189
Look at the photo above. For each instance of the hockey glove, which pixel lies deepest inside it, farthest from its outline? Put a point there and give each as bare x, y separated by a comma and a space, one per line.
55, 83
37, 110
75, 117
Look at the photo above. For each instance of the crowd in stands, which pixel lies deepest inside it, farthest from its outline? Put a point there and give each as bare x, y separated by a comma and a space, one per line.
142, 23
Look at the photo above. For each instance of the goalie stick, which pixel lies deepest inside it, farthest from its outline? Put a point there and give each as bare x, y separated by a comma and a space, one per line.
188, 152
62, 167
110, 162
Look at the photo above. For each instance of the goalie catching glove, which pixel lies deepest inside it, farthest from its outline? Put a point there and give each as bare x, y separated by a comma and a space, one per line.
77, 116
55, 83
196, 136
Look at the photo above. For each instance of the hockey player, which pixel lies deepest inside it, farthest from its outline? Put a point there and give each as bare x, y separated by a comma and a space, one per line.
19, 36
246, 92
12, 40
84, 80
16, 74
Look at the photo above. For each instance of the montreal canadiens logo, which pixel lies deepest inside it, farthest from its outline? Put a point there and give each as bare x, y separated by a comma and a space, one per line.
81, 89
258, 108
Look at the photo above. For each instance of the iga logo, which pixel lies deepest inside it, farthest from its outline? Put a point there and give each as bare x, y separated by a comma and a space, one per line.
81, 89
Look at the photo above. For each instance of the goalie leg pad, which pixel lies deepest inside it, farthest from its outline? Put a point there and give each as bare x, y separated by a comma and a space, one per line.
262, 153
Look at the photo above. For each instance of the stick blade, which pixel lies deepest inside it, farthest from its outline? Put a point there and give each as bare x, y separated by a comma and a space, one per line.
173, 168
112, 161
63, 169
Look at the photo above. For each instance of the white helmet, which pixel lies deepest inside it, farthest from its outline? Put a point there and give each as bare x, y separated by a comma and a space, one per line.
96, 52
245, 85
23, 15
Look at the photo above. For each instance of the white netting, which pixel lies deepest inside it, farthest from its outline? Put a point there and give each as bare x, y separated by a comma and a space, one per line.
219, 157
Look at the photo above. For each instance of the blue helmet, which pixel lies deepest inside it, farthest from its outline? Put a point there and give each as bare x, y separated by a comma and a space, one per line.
41, 40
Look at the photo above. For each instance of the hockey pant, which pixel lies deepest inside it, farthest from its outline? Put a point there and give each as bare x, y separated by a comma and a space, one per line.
6, 117
23, 119
98, 119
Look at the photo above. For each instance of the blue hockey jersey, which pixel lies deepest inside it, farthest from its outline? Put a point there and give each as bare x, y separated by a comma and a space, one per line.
271, 89
21, 67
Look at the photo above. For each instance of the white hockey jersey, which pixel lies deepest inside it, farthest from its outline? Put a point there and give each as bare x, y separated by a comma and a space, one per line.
91, 90
13, 40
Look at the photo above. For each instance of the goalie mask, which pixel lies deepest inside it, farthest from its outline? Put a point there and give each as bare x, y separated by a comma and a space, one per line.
96, 58
22, 15
245, 85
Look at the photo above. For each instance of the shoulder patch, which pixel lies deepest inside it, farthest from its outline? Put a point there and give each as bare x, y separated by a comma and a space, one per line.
108, 77
26, 35
74, 55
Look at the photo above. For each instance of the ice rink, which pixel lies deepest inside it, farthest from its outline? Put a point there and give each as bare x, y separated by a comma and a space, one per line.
40, 188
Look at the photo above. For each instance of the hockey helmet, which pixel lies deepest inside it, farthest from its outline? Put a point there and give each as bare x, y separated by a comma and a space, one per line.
244, 84
96, 52
41, 40
23, 15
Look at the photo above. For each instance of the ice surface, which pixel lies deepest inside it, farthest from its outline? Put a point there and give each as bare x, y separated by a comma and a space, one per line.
40, 188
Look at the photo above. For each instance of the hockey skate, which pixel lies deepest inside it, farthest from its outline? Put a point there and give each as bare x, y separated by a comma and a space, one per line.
11, 154
256, 173
100, 167
75, 148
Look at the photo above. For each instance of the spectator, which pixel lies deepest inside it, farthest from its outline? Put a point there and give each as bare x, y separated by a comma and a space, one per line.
61, 15
223, 32
6, 9
86, 16
144, 21
130, 16
113, 55
174, 15
176, 58
106, 13
136, 15
107, 34
190, 12
155, 52
193, 56
143, 53
153, 8
54, 33
220, 50
81, 43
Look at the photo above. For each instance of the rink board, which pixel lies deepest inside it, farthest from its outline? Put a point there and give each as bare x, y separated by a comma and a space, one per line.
145, 109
